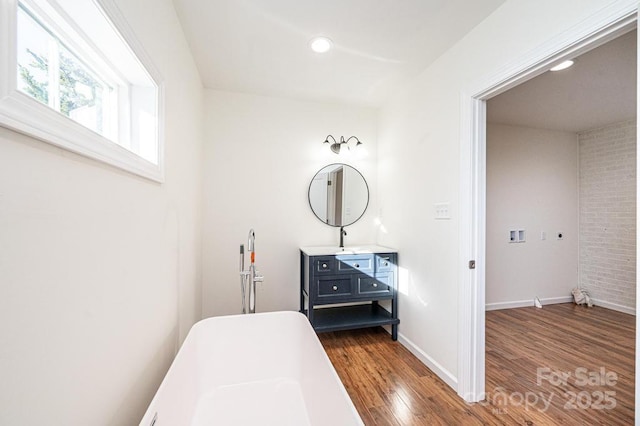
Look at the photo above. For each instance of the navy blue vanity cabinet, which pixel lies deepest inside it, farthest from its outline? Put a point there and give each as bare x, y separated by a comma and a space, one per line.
342, 290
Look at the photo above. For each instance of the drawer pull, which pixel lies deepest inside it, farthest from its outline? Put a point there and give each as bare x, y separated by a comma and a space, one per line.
357, 265
375, 285
335, 288
386, 264
324, 265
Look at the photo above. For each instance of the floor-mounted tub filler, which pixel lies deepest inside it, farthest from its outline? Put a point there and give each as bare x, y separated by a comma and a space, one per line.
262, 369
249, 277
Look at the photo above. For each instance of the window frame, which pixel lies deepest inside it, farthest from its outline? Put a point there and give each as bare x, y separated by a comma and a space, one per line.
24, 114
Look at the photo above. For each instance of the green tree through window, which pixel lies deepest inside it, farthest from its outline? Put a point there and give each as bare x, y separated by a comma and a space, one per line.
73, 79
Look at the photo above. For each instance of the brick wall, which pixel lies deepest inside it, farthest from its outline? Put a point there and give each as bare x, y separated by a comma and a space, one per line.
607, 182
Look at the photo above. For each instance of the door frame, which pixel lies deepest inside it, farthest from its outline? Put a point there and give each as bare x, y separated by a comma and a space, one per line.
609, 23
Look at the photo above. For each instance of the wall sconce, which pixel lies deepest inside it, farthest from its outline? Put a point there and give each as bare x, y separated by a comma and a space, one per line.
335, 145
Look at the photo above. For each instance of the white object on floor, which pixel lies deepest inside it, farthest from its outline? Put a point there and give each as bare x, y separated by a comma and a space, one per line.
581, 297
537, 303
267, 369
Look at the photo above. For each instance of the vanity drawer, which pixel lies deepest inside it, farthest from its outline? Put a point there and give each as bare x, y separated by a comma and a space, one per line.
370, 286
361, 262
384, 262
334, 287
324, 264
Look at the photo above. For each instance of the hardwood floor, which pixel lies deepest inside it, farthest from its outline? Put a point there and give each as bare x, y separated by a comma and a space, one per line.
529, 353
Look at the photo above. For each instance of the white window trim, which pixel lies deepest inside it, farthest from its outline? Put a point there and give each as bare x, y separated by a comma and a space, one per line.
26, 115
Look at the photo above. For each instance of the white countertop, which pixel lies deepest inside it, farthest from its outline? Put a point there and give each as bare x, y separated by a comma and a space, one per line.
335, 250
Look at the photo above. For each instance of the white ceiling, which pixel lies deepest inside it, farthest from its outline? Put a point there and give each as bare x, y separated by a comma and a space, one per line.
599, 89
261, 46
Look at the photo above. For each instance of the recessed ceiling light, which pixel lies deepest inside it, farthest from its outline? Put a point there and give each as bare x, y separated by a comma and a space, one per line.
562, 66
320, 44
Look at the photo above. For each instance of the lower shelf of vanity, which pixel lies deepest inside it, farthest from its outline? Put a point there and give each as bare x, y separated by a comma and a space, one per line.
350, 317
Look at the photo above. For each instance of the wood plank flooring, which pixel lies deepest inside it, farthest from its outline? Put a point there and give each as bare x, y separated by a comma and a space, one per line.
389, 386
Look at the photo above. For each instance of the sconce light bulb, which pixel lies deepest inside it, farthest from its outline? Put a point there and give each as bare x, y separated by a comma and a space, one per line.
337, 146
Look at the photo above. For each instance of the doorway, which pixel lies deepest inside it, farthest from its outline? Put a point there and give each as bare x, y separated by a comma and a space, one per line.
561, 184
561, 212
471, 381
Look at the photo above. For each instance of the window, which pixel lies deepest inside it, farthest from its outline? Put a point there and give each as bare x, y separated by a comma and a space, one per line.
50, 73
59, 86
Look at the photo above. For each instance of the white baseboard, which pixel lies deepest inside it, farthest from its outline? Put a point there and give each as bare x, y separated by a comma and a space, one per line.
441, 372
614, 306
527, 303
553, 300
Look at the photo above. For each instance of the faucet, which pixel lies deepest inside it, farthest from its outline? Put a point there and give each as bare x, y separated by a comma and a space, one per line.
249, 278
342, 234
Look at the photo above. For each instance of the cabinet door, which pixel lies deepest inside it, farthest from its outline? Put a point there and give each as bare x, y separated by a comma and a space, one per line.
324, 265
374, 287
355, 263
333, 288
385, 262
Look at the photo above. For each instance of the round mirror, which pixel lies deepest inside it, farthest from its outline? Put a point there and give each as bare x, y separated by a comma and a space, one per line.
338, 195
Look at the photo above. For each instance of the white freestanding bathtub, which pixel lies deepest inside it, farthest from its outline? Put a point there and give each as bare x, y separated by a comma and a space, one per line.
260, 369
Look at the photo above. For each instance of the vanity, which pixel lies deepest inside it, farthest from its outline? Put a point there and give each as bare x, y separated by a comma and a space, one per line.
341, 288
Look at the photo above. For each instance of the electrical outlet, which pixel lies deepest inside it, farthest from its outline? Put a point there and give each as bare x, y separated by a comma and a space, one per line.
442, 211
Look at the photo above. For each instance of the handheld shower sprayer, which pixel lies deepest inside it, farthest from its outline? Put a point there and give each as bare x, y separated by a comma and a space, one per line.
252, 245
249, 277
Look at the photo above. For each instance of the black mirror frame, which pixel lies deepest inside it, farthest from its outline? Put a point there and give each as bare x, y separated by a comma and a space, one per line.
364, 210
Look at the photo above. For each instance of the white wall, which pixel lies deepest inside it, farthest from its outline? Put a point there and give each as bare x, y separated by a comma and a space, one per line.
419, 152
99, 269
532, 184
608, 215
261, 154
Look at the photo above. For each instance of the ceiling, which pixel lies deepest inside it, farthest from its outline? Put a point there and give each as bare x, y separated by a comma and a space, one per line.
261, 47
599, 89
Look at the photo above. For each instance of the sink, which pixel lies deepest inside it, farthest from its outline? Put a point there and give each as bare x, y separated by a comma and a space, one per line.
348, 251
352, 250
